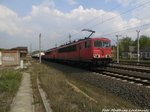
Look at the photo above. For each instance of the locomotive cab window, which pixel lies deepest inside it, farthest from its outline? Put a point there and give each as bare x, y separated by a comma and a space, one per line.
97, 43
87, 44
106, 44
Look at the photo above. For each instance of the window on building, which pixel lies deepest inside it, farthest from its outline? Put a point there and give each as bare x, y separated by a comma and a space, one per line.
143, 54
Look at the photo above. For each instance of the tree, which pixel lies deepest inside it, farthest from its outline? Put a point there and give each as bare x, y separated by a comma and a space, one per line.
125, 43
143, 41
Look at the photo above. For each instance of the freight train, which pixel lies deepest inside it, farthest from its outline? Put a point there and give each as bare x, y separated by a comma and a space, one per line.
89, 51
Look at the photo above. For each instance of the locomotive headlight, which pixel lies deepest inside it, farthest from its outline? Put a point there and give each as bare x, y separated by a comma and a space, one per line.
107, 56
96, 56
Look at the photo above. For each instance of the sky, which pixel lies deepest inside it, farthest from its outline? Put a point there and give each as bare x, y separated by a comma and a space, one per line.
21, 21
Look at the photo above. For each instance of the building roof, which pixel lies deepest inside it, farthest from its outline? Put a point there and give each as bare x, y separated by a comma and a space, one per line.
9, 51
145, 49
20, 48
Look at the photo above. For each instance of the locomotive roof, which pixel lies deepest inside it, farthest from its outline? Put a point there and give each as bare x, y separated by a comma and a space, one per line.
82, 40
77, 42
49, 50
101, 38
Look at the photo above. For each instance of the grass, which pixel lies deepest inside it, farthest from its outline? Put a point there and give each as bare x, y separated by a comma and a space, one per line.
38, 104
64, 98
9, 84
105, 99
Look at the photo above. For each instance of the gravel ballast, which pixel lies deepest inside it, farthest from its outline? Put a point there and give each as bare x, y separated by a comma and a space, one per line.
138, 95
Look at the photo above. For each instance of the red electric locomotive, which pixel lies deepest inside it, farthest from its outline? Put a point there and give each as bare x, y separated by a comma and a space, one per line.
92, 51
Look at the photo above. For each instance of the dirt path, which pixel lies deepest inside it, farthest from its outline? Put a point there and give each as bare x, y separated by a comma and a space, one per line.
24, 98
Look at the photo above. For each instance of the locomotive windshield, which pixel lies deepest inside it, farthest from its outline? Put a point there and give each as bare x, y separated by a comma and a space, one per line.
106, 44
98, 43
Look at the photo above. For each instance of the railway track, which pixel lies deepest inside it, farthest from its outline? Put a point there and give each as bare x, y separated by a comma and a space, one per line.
130, 74
131, 68
127, 74
127, 78
134, 63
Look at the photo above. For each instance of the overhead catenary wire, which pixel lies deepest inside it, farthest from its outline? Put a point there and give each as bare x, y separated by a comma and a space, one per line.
121, 13
112, 9
104, 21
92, 20
125, 12
112, 33
87, 22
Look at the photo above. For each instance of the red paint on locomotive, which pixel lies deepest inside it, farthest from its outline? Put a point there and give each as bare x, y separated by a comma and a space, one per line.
95, 50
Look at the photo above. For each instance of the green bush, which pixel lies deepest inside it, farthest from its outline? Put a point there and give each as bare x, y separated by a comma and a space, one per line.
9, 84
9, 80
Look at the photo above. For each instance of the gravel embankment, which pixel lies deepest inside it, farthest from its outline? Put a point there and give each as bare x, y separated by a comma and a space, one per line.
138, 95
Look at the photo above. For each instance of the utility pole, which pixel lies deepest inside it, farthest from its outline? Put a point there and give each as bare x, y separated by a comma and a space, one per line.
30, 49
138, 46
40, 47
118, 48
55, 45
70, 38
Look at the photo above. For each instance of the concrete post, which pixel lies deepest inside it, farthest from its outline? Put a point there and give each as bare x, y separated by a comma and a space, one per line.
138, 46
21, 64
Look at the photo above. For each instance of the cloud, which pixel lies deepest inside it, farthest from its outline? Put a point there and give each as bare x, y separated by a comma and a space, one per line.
143, 12
143, 15
122, 2
56, 25
9, 21
72, 2
125, 2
